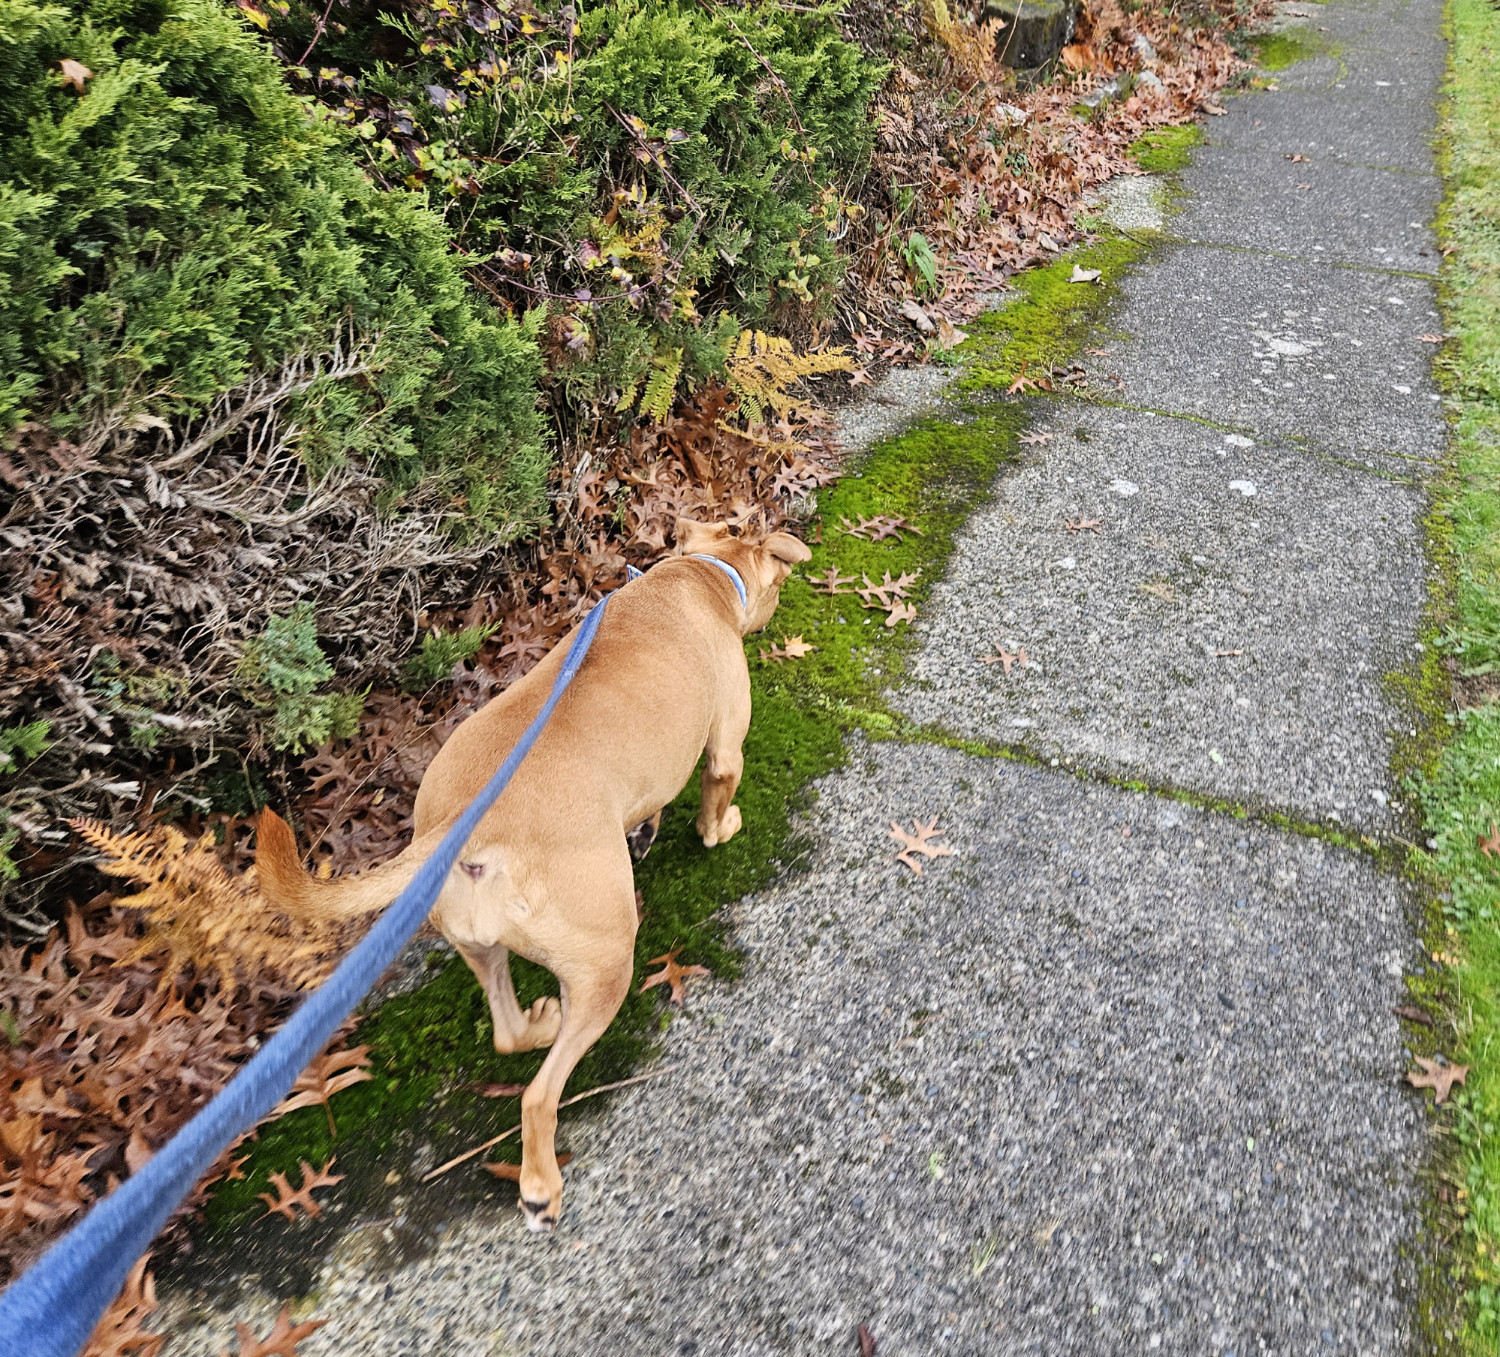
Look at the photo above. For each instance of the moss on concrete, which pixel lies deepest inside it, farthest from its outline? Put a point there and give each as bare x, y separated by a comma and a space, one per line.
1277, 51
1167, 149
431, 1047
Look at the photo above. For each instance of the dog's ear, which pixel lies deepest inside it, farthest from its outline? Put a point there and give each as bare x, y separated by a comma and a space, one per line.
693, 536
786, 549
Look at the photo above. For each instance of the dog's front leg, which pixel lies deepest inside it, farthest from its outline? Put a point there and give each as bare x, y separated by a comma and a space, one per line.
718, 817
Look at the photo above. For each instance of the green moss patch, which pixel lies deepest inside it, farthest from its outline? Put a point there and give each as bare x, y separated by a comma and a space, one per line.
1168, 149
1277, 51
1458, 782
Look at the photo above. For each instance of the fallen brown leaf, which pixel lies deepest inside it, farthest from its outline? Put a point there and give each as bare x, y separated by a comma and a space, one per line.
75, 73
286, 1201
1083, 275
1083, 524
499, 1090
830, 581
1295, 159
1439, 1078
866, 1341
280, 1342
330, 1073
920, 841
900, 612
119, 1330
1005, 659
672, 975
1413, 1014
795, 648
1035, 438
1491, 845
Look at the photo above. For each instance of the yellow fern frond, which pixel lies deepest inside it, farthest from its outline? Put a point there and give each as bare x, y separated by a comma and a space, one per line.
764, 369
662, 386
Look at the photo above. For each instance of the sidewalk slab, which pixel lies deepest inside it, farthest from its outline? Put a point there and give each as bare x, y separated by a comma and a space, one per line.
1283, 347
1119, 1077
1352, 129
1199, 637
1316, 208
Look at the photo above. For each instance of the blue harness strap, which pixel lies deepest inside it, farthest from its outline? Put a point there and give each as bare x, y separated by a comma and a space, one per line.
51, 1310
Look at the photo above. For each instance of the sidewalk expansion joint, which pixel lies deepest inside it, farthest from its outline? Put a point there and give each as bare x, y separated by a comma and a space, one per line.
1300, 441
1385, 848
1422, 274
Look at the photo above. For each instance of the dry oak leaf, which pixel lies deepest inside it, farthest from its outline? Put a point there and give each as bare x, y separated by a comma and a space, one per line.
920, 841
881, 595
877, 529
1439, 1078
1082, 275
75, 73
793, 649
1413, 1014
672, 975
1005, 659
1035, 438
119, 1331
900, 612
1082, 524
286, 1200
1295, 158
866, 1341
280, 1342
1431, 339
1490, 846
830, 581
330, 1073
512, 1172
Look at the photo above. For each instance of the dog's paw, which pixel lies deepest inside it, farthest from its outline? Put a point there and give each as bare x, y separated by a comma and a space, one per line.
543, 1022
541, 1196
728, 826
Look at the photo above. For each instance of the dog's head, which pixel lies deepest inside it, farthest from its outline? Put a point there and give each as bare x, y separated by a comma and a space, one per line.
763, 565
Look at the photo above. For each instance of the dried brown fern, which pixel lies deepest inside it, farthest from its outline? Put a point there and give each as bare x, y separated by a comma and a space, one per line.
200, 916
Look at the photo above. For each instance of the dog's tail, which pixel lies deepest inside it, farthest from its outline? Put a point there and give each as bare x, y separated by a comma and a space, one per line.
284, 883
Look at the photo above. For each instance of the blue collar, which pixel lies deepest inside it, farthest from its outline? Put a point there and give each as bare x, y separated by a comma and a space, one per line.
631, 573
734, 576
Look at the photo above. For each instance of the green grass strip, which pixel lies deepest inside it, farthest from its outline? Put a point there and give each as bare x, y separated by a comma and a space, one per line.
1460, 791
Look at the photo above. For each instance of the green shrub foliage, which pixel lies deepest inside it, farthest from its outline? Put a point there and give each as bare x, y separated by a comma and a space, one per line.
658, 172
282, 671
175, 221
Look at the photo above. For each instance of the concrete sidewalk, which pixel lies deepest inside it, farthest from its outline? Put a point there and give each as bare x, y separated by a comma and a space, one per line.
1122, 1075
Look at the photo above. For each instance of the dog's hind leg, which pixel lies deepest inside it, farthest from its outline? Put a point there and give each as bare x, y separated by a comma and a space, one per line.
516, 1029
595, 980
718, 817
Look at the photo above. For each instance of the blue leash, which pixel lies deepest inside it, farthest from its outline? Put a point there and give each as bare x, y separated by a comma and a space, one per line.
52, 1309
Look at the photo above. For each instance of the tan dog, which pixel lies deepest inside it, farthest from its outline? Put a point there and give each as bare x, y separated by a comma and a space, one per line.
547, 873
